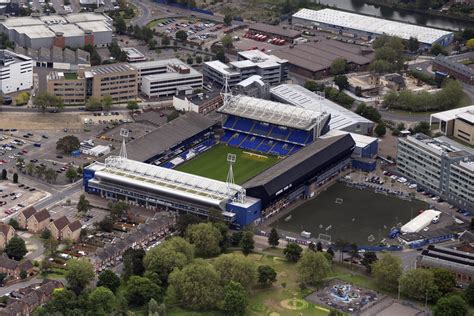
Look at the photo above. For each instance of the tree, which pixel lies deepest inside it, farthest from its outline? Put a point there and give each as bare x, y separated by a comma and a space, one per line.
380, 129
196, 286
14, 223
102, 299
220, 55
140, 290
313, 267
319, 246
386, 271
198, 59
470, 43
4, 174
206, 238
412, 44
330, 252
15, 177
228, 19
235, 299
132, 105
50, 175
437, 49
469, 293
23, 274
273, 238
312, 246
338, 66
68, 144
83, 205
227, 41
266, 275
79, 274
247, 243
22, 98
453, 305
106, 224
120, 25
215, 216
50, 245
3, 276
46, 100
71, 174
94, 103
106, 102
16, 248
423, 127
181, 35
109, 279
190, 60
418, 284
368, 259
444, 280
45, 234
118, 209
292, 252
341, 82
133, 262
369, 112
165, 41
237, 268
311, 85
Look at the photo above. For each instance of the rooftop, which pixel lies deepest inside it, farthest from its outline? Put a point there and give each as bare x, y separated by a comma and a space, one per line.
274, 29
21, 21
436, 145
454, 65
106, 69
370, 24
38, 31
272, 112
8, 57
86, 17
257, 56
67, 29
94, 26
221, 67
467, 116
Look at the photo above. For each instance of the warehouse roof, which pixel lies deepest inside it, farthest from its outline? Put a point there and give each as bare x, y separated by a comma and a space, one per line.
454, 65
274, 29
296, 95
67, 29
94, 26
370, 24
317, 56
38, 31
21, 21
167, 136
86, 17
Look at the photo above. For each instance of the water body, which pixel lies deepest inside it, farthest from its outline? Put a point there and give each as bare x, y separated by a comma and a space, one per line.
357, 214
358, 6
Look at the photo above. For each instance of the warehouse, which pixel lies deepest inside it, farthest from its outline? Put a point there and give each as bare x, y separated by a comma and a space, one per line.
367, 27
314, 59
274, 31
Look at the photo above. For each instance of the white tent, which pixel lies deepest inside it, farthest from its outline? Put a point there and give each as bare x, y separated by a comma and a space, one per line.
420, 222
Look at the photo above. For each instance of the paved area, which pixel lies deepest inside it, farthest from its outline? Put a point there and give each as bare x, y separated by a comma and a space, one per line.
399, 309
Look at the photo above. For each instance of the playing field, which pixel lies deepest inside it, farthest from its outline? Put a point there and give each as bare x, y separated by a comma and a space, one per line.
213, 164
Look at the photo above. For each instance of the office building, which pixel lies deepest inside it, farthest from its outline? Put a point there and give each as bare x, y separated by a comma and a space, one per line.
438, 166
458, 123
16, 72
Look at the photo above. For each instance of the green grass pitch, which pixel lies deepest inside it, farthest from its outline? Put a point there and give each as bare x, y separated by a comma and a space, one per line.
213, 164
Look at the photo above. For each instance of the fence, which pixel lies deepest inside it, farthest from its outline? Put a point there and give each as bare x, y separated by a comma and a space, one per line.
182, 6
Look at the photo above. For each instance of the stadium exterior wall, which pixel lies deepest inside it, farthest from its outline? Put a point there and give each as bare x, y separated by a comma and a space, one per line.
246, 215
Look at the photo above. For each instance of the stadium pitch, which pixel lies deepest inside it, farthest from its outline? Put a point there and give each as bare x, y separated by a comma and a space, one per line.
213, 164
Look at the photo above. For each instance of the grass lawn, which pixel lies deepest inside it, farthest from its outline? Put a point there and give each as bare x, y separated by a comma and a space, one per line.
213, 164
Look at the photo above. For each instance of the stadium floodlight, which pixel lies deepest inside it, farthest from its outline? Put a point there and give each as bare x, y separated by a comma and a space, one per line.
123, 150
231, 158
124, 132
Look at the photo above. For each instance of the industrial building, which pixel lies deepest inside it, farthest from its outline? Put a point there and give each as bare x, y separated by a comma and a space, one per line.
120, 81
452, 67
74, 30
368, 27
16, 72
341, 118
313, 59
272, 69
439, 167
459, 262
458, 123
274, 31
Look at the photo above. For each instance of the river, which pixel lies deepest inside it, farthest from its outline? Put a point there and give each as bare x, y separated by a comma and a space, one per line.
358, 6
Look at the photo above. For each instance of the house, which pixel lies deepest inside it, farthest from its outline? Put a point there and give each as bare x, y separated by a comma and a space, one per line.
72, 231
13, 268
38, 221
6, 233
25, 215
57, 227
393, 81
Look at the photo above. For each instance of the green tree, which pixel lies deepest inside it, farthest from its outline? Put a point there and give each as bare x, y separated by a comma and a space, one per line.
418, 283
45, 234
238, 268
293, 252
206, 238
444, 280
71, 174
198, 59
423, 127
273, 238
133, 262
16, 248
109, 279
266, 275
15, 177
227, 41
22, 98
368, 259
437, 49
369, 112
341, 82
46, 100
220, 55
380, 129
50, 175
79, 274
228, 19
14, 223
4, 174
196, 286
120, 25
132, 105
453, 305
412, 44
387, 271
118, 209
83, 205
215, 216
94, 103
50, 245
338, 66
181, 35
247, 243
469, 293
470, 43
165, 41
313, 267
68, 144
23, 274
3, 276
102, 299
311, 85
235, 299
189, 60
106, 102
140, 290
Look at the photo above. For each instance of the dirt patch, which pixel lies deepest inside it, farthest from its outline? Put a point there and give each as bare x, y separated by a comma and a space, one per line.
43, 121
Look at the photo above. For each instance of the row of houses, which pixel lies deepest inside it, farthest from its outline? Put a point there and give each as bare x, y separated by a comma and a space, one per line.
13, 268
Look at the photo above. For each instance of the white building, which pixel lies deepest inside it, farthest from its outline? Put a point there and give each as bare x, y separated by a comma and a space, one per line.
167, 78
367, 27
16, 72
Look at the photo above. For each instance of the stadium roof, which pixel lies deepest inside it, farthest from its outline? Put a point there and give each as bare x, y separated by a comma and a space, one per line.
271, 112
370, 24
167, 136
296, 95
168, 181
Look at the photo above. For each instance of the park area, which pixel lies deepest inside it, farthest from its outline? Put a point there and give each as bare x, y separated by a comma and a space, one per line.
213, 164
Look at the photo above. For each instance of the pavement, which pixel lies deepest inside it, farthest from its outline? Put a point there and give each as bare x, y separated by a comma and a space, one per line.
59, 195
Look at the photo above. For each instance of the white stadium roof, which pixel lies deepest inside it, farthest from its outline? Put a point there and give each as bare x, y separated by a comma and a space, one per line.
370, 24
272, 112
298, 96
168, 181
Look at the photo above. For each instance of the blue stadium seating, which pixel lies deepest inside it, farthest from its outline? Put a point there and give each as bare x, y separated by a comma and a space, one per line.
168, 165
261, 129
279, 133
237, 140
244, 125
281, 149
298, 136
227, 135
265, 146
295, 149
229, 123
248, 143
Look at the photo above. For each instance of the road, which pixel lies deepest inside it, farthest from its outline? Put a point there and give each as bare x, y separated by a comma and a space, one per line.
59, 195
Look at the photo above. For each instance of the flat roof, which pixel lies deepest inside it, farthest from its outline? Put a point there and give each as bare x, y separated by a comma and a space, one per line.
451, 114
303, 98
170, 74
467, 116
275, 29
317, 56
132, 52
38, 31
361, 141
103, 69
53, 19
221, 67
272, 112
256, 56
370, 24
95, 26
21, 21
86, 17
67, 29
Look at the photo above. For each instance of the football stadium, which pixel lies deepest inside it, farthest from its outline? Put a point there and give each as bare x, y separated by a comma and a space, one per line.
260, 157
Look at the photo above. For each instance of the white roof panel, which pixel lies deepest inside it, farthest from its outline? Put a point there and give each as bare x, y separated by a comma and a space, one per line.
452, 114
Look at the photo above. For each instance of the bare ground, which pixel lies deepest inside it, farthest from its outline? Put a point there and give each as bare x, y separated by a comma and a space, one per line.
40, 121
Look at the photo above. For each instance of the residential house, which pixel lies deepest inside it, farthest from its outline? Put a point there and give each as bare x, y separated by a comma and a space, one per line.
13, 268
6, 233
72, 231
25, 215
38, 221
57, 227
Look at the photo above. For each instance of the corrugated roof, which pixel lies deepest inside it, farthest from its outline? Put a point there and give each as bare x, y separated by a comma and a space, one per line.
274, 29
